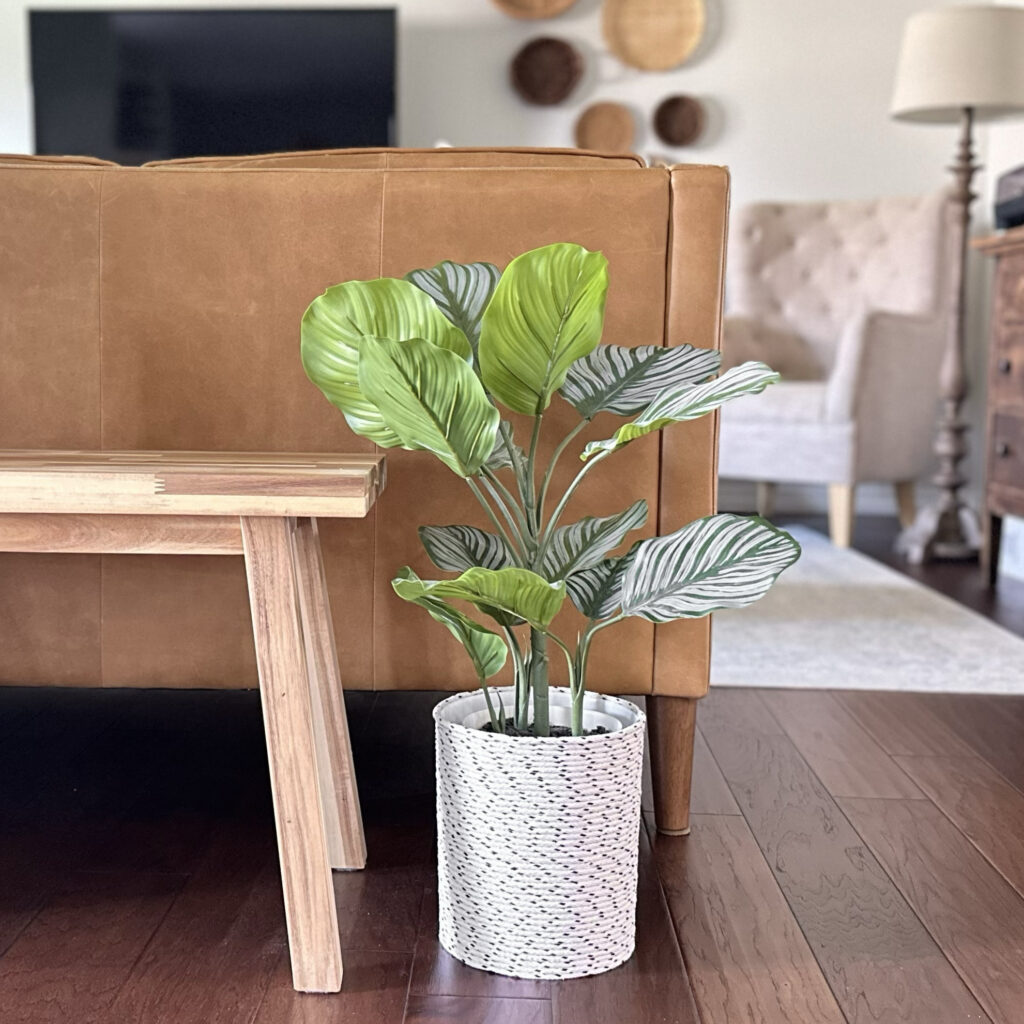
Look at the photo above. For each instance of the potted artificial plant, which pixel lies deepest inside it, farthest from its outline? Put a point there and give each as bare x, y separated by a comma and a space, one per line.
538, 786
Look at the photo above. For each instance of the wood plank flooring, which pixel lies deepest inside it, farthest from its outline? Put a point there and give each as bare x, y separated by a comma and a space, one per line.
855, 857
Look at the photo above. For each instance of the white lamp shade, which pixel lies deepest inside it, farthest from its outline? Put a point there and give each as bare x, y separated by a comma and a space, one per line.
956, 57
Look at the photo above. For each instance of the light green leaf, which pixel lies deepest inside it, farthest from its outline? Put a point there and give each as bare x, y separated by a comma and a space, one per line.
508, 595
431, 399
597, 591
623, 380
487, 650
333, 329
461, 291
721, 561
688, 402
547, 311
456, 548
583, 544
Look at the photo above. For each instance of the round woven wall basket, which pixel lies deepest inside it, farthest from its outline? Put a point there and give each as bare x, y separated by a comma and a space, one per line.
679, 120
533, 8
537, 841
653, 35
546, 70
606, 126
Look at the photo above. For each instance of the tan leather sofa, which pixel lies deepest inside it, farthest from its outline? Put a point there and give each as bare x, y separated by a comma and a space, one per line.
159, 308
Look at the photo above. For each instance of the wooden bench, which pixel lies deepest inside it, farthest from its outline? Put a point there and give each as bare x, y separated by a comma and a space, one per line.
265, 507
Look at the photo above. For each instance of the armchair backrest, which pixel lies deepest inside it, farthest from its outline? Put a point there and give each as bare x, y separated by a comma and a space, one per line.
814, 266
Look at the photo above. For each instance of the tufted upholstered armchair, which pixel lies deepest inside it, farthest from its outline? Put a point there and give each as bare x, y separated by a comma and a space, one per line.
853, 303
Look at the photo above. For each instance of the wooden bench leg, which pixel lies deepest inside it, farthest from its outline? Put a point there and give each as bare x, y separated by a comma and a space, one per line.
339, 796
291, 748
671, 725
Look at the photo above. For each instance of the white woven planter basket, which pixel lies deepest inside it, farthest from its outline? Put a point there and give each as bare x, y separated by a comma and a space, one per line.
538, 839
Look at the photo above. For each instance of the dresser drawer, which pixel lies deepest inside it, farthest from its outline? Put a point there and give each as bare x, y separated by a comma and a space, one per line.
1010, 289
1006, 455
1006, 379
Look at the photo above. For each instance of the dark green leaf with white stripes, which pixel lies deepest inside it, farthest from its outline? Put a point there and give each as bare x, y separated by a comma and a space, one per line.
487, 650
721, 561
597, 591
583, 544
625, 381
500, 458
688, 402
457, 548
461, 291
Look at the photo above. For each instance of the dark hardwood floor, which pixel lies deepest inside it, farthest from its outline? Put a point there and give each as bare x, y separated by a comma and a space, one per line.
855, 857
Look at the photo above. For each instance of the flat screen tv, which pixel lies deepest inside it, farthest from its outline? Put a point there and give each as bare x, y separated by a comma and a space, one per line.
133, 86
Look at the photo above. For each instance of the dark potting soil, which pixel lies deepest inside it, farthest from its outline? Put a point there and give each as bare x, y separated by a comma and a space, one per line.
554, 730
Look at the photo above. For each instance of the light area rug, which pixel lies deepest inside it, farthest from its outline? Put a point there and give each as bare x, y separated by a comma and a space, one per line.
839, 620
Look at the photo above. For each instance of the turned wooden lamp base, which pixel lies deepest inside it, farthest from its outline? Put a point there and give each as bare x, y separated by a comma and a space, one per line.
945, 535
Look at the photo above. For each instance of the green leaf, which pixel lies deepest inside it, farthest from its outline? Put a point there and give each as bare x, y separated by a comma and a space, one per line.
456, 548
461, 291
508, 595
431, 399
487, 650
623, 380
688, 402
597, 592
583, 544
547, 311
333, 329
721, 561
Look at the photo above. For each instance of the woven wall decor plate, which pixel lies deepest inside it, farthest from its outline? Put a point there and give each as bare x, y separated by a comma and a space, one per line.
546, 70
653, 35
533, 8
679, 120
606, 126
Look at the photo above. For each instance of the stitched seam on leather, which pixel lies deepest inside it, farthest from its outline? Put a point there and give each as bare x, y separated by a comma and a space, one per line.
377, 449
99, 347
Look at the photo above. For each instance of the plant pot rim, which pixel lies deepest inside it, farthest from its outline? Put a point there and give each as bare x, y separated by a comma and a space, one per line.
632, 717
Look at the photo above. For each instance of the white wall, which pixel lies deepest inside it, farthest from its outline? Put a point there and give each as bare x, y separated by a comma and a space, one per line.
797, 93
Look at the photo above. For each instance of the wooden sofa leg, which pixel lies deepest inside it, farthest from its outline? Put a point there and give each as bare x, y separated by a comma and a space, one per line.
671, 724
840, 514
765, 499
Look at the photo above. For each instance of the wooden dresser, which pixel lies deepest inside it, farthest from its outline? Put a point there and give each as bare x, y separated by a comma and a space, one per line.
1004, 464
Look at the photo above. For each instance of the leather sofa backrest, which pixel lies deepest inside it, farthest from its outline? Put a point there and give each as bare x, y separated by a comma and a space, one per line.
159, 308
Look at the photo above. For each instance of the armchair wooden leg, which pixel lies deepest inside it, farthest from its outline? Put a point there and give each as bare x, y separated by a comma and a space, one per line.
339, 796
906, 502
840, 514
765, 499
671, 724
309, 905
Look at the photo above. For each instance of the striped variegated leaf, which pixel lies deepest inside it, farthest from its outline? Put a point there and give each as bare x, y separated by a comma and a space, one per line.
623, 380
486, 650
508, 595
597, 591
461, 291
688, 402
721, 561
457, 548
585, 543
500, 458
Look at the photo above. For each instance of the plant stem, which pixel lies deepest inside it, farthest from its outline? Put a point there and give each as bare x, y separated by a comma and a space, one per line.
533, 513
551, 466
497, 725
539, 682
560, 507
507, 515
509, 501
522, 682
512, 546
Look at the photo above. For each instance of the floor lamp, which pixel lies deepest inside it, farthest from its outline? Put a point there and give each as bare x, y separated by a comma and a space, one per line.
957, 65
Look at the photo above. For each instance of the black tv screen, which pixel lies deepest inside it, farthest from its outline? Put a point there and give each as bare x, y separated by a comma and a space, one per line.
133, 86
